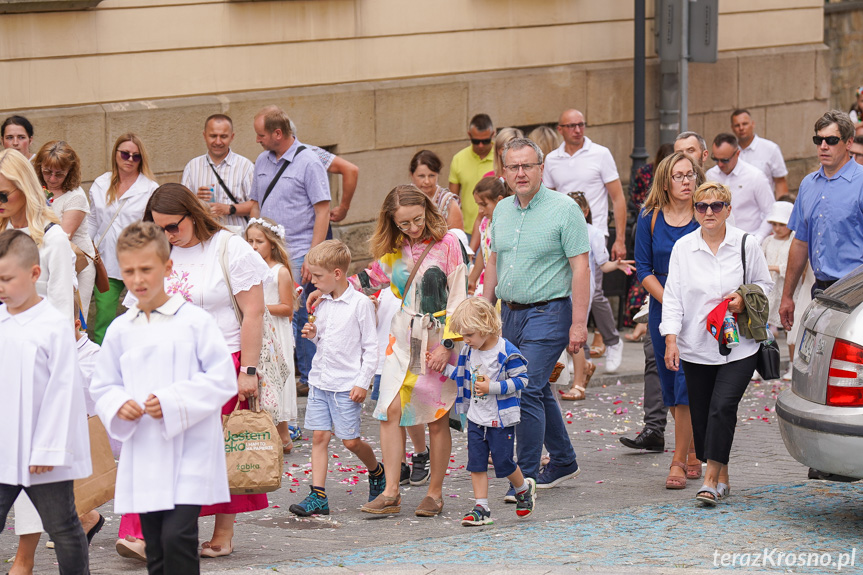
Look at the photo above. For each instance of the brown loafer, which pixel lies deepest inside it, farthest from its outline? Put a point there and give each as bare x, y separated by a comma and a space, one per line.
383, 505
302, 390
429, 507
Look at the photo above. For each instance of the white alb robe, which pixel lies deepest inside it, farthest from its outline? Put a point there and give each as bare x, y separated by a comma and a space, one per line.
180, 356
44, 420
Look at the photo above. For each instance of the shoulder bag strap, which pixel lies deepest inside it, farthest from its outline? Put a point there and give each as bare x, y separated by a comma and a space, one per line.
653, 220
279, 175
223, 263
222, 182
416, 269
743, 255
117, 213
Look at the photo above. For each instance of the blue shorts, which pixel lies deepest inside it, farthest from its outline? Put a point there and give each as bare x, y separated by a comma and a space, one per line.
497, 441
333, 411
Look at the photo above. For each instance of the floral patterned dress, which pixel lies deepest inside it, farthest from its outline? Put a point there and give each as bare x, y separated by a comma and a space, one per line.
422, 321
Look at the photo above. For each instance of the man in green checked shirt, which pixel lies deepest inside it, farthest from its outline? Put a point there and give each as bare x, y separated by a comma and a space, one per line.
539, 258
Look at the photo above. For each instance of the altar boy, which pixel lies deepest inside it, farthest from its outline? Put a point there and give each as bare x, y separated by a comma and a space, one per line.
161, 379
44, 425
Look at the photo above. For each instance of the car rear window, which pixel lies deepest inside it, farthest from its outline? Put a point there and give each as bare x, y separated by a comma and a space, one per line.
847, 291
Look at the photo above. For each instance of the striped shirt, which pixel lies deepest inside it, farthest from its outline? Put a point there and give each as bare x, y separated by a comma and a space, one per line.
534, 244
236, 171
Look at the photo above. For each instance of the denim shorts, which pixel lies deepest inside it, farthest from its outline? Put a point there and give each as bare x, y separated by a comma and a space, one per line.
497, 441
333, 411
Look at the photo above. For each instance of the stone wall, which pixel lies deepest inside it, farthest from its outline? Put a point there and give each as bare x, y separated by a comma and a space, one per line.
843, 33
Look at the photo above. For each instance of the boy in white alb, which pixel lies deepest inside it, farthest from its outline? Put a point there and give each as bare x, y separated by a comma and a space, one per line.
343, 329
161, 379
46, 444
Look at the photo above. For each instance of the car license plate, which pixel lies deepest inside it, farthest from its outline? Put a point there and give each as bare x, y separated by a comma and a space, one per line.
807, 342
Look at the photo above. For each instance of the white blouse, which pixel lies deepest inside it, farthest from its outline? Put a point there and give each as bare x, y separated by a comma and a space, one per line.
698, 281
133, 203
76, 200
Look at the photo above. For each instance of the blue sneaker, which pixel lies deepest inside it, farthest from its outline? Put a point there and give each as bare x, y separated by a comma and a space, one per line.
313, 504
296, 432
377, 485
552, 475
510, 495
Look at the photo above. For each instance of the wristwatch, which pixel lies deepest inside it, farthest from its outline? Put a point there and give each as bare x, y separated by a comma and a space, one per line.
232, 210
248, 370
448, 343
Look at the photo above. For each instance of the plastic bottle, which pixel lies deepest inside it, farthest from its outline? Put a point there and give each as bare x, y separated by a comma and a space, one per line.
729, 330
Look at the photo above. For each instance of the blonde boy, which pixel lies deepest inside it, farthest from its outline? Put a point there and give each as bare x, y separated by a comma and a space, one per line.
161, 378
46, 444
343, 328
489, 375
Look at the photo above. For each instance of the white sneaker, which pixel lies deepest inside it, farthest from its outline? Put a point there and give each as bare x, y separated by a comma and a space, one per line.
756, 376
787, 375
613, 356
641, 316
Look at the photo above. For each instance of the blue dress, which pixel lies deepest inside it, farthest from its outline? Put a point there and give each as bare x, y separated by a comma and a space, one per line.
652, 253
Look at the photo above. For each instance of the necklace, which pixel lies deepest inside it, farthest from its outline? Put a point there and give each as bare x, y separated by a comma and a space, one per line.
677, 221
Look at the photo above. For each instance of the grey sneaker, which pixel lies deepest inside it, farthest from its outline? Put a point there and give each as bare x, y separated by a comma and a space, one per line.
524, 502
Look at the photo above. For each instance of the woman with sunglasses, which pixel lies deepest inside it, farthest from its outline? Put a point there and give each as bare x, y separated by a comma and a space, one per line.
59, 171
411, 234
197, 240
117, 198
705, 270
665, 218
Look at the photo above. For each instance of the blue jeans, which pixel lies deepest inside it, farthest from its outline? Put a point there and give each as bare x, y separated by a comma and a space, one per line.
541, 334
305, 348
55, 503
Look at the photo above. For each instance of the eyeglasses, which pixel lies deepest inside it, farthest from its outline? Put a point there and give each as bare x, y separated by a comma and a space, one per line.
680, 176
478, 142
174, 228
54, 174
715, 207
129, 156
578, 126
516, 168
418, 221
831, 140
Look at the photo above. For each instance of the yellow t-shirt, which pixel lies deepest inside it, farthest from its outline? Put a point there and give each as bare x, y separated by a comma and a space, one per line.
467, 169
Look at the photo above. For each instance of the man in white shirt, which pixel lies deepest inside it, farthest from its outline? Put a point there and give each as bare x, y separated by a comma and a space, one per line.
763, 154
228, 174
750, 190
580, 165
692, 144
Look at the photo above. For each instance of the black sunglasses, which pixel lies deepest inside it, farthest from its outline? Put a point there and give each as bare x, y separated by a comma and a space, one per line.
174, 228
129, 156
484, 142
715, 207
831, 140
4, 197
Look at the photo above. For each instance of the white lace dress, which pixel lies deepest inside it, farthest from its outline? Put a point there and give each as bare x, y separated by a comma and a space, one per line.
285, 332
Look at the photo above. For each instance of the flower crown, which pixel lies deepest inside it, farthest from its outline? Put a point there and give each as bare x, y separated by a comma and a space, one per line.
277, 229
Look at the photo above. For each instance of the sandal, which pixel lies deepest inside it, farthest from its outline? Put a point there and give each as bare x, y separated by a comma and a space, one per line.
429, 507
632, 338
708, 495
597, 350
723, 489
575, 393
589, 370
555, 373
693, 470
288, 446
211, 551
674, 481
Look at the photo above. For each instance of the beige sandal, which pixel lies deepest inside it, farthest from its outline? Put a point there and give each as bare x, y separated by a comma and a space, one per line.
575, 393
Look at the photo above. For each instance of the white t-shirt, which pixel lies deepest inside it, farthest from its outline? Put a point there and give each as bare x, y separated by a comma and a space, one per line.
76, 200
751, 197
767, 157
483, 410
598, 254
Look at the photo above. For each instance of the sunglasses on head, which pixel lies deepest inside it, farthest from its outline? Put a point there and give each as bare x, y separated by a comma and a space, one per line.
484, 142
129, 156
831, 140
715, 207
174, 228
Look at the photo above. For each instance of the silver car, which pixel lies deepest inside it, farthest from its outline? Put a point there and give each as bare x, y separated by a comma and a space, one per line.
821, 416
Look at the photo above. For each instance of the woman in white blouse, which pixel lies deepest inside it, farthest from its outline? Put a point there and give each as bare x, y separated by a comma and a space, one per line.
706, 268
59, 171
117, 198
196, 243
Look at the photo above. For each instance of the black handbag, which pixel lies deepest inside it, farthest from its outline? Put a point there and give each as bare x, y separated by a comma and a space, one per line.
767, 357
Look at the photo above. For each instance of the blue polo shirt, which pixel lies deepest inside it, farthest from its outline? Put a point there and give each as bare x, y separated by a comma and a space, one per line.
828, 215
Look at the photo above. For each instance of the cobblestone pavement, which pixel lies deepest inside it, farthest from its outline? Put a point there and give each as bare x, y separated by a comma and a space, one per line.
616, 517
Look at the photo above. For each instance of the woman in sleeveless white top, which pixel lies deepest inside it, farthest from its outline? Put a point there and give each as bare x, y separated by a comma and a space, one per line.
285, 333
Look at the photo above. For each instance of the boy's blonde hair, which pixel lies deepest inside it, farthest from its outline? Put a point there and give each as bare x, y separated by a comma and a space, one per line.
330, 255
476, 315
141, 234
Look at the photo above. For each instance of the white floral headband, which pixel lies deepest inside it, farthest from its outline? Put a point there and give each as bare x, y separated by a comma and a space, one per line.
277, 229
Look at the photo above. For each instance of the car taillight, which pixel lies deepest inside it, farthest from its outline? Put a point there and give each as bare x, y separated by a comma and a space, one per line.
845, 378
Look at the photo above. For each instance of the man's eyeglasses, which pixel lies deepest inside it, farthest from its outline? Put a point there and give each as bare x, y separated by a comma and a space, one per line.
680, 176
53, 174
478, 142
831, 140
418, 221
129, 156
578, 126
516, 168
715, 207
174, 228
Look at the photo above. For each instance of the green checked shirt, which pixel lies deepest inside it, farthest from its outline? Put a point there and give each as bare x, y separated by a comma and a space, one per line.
534, 244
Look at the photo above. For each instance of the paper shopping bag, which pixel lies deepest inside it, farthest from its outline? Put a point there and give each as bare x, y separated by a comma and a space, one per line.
97, 489
254, 452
